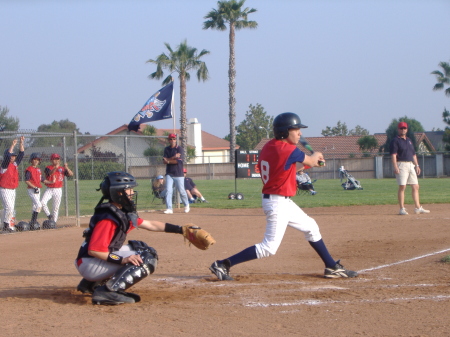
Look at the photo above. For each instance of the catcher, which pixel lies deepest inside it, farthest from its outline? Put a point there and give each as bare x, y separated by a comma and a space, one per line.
108, 266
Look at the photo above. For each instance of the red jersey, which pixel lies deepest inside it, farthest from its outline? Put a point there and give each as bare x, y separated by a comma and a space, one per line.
59, 174
103, 234
33, 175
277, 166
10, 177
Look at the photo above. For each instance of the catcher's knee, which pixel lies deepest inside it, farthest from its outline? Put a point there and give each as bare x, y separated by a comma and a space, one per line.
130, 274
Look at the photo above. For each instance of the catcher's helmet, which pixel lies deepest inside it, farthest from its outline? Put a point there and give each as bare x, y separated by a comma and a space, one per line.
35, 155
113, 188
285, 121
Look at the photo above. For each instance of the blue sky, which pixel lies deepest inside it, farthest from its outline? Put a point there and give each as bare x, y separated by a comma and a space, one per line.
360, 62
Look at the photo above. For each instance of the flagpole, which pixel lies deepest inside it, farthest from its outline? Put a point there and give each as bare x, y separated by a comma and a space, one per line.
173, 107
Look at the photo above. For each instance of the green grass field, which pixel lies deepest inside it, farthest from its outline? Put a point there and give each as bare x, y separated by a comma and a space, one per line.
329, 193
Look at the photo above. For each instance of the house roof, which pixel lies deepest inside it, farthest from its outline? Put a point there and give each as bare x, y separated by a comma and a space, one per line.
209, 141
342, 146
435, 138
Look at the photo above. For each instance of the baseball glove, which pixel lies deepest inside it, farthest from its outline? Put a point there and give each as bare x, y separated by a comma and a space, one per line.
197, 236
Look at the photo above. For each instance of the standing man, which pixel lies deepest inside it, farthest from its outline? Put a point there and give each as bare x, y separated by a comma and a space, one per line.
406, 168
54, 173
278, 162
9, 181
174, 173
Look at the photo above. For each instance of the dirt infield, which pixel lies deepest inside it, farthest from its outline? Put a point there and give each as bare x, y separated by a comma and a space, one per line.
403, 289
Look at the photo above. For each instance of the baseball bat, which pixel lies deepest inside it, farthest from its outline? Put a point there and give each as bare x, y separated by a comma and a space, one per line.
307, 146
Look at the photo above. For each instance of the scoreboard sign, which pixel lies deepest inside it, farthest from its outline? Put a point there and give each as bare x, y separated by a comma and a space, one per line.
246, 164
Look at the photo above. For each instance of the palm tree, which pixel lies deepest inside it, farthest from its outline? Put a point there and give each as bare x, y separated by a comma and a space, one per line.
443, 78
230, 12
181, 61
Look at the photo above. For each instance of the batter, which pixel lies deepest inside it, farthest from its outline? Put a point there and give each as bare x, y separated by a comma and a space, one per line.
278, 163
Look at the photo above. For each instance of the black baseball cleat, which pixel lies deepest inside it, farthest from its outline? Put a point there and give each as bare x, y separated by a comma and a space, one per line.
102, 296
86, 287
339, 271
221, 270
134, 296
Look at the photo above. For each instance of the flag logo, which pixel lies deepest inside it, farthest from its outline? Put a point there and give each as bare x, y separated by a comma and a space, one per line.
157, 107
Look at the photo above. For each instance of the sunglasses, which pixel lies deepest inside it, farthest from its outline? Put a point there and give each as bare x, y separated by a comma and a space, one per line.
172, 139
402, 128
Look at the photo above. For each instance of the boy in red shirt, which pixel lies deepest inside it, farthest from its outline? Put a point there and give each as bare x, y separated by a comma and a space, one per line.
33, 179
278, 162
54, 174
9, 181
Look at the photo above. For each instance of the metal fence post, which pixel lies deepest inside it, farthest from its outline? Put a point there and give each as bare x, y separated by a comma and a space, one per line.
77, 196
66, 199
125, 149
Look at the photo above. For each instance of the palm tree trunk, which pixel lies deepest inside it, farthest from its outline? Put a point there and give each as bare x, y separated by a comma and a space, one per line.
232, 99
183, 123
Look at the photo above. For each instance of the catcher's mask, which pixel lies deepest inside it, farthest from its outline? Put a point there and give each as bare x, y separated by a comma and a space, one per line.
284, 122
116, 187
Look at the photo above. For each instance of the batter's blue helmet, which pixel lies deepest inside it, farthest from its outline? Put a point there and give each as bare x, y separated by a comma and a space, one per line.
285, 121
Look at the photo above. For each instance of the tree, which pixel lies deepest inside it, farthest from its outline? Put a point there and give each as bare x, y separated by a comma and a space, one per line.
231, 13
358, 131
391, 132
254, 127
63, 126
339, 130
182, 60
446, 136
443, 78
8, 123
367, 143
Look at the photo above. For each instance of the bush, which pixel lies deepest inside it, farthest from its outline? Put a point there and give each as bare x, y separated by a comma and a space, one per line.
97, 170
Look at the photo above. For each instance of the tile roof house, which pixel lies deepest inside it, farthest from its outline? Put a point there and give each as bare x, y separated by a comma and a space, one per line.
347, 146
208, 148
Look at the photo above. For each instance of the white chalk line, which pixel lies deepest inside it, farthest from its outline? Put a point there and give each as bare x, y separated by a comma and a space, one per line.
404, 261
318, 302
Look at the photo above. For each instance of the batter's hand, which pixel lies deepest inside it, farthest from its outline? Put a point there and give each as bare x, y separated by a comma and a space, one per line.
134, 259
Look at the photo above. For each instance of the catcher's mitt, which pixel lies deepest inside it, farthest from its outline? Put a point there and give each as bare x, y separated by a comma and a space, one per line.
197, 236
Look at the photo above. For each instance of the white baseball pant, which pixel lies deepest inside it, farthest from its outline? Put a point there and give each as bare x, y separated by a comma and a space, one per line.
55, 194
94, 269
8, 197
280, 213
37, 205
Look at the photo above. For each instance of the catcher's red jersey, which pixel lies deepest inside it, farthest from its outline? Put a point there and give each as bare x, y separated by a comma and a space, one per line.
277, 166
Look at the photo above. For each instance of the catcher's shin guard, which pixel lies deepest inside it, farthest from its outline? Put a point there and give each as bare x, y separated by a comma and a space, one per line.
130, 274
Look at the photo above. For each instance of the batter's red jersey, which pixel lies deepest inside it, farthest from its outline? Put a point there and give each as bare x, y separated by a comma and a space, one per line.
277, 166
59, 174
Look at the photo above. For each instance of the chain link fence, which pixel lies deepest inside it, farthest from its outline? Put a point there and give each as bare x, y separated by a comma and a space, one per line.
90, 157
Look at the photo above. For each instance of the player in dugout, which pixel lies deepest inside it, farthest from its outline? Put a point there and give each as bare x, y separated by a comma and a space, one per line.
191, 189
